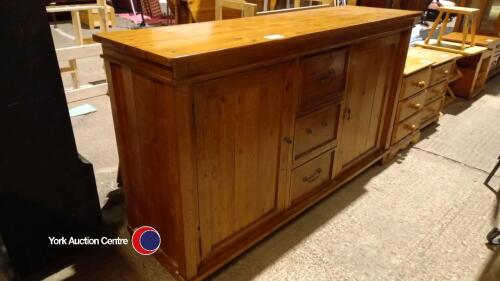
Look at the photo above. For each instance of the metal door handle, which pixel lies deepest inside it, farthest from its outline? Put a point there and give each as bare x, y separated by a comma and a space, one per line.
312, 177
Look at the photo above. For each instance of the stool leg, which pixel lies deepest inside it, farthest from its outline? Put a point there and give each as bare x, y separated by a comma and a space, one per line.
465, 31
473, 31
433, 28
443, 27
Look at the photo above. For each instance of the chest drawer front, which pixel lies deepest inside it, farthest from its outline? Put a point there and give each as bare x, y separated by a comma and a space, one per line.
323, 78
415, 83
442, 72
411, 106
316, 130
406, 127
436, 91
432, 109
311, 176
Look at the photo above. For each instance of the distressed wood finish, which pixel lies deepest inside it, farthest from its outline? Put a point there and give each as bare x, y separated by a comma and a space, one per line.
217, 153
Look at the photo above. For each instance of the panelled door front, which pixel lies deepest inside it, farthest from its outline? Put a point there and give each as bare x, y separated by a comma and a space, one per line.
370, 77
241, 122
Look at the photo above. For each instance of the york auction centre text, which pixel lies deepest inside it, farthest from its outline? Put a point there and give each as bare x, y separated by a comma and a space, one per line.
72, 241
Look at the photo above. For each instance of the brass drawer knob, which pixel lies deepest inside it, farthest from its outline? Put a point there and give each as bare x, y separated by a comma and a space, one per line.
312, 177
416, 105
412, 127
421, 84
446, 71
287, 140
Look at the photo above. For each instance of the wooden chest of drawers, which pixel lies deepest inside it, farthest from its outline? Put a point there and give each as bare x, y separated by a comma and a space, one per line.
224, 134
425, 82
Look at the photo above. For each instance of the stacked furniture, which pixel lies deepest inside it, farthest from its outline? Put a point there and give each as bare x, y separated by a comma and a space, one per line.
474, 69
426, 76
217, 153
488, 18
490, 42
475, 63
91, 18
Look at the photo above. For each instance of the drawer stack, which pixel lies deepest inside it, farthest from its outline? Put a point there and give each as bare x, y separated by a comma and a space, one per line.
434, 101
411, 104
425, 83
321, 89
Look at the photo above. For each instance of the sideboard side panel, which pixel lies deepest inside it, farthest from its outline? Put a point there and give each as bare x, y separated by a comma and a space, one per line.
144, 114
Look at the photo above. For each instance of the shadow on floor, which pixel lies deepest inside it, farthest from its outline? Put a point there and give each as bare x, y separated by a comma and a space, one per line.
99, 262
459, 105
268, 251
121, 263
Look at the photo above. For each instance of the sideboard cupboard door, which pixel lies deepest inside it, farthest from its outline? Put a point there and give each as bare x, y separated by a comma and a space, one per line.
366, 96
242, 122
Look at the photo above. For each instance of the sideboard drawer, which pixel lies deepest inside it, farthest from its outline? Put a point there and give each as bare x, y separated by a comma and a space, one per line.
316, 129
415, 83
411, 106
406, 127
432, 109
311, 176
442, 72
323, 77
436, 91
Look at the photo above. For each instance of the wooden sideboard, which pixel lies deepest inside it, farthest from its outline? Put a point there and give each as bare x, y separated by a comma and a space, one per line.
227, 130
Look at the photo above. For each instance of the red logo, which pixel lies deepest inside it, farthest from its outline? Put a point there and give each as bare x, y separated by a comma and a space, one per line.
146, 240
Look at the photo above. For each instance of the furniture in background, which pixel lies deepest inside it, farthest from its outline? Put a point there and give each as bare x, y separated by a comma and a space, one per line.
443, 72
85, 47
205, 10
46, 188
490, 42
91, 18
489, 16
415, 5
474, 69
426, 76
411, 99
245, 9
305, 104
443, 66
476, 59
470, 16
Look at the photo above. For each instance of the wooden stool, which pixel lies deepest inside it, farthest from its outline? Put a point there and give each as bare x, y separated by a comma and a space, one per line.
469, 14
